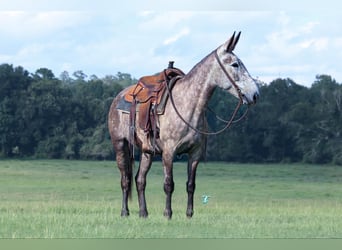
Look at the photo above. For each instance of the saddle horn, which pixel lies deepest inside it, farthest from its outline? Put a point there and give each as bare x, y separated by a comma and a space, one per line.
232, 42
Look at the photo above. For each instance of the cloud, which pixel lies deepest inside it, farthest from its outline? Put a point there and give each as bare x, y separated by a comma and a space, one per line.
163, 21
298, 45
21, 24
174, 38
309, 27
317, 44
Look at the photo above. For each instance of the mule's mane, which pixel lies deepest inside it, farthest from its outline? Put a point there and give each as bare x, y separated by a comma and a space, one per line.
194, 70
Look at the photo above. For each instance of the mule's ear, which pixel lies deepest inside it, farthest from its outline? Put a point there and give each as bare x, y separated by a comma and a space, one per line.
232, 42
237, 39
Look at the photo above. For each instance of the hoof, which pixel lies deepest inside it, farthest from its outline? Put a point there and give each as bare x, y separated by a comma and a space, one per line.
124, 213
168, 214
143, 214
189, 213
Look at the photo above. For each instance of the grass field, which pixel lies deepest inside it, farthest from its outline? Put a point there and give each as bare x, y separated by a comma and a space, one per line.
81, 199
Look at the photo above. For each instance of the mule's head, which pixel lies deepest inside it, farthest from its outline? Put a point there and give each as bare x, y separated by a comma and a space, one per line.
233, 75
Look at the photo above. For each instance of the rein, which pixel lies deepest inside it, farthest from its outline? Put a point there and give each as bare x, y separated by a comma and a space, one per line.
223, 120
231, 120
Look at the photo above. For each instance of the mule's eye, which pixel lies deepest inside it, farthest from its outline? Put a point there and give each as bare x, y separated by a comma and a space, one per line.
235, 65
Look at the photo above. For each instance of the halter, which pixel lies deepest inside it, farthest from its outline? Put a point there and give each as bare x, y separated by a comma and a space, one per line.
231, 120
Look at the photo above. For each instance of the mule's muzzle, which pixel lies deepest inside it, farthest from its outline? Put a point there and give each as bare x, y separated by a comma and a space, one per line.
255, 98
250, 99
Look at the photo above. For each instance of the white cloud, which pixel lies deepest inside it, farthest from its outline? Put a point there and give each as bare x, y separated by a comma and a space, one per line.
21, 24
298, 46
164, 21
309, 27
317, 44
174, 38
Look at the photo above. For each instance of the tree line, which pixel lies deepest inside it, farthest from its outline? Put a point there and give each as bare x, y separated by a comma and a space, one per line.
44, 116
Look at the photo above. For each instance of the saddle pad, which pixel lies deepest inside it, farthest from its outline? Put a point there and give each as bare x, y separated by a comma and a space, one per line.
124, 105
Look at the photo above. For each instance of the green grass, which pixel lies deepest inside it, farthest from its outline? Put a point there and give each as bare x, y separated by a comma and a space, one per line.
81, 199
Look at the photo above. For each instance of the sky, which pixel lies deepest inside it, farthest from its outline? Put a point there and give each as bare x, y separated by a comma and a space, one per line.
294, 39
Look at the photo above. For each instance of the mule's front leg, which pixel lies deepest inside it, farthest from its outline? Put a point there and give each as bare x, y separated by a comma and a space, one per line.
140, 180
169, 185
190, 186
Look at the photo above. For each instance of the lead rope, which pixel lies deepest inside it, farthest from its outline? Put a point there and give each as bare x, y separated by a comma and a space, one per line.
230, 122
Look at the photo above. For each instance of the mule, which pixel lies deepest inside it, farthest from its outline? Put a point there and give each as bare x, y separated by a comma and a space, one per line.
181, 124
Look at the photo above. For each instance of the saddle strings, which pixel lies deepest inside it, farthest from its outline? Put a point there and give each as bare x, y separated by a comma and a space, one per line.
230, 122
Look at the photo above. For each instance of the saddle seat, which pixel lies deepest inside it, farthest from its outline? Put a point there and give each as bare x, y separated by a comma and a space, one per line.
145, 97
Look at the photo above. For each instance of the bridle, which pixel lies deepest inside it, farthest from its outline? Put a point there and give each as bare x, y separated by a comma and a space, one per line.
230, 121
238, 90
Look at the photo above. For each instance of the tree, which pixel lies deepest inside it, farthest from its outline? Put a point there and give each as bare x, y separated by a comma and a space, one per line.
43, 74
65, 78
13, 84
325, 129
80, 76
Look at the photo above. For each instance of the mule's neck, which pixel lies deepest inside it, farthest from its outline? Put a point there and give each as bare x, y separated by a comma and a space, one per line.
197, 87
199, 84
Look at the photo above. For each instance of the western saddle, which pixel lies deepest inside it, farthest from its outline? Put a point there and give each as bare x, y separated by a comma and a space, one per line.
148, 97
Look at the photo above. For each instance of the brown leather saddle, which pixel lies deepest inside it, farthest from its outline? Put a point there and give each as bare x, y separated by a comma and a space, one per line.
148, 93
148, 98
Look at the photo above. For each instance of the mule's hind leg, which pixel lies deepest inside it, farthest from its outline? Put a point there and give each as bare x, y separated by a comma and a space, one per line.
140, 180
125, 165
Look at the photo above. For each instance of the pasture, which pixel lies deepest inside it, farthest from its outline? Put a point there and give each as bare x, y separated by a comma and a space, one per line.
82, 199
